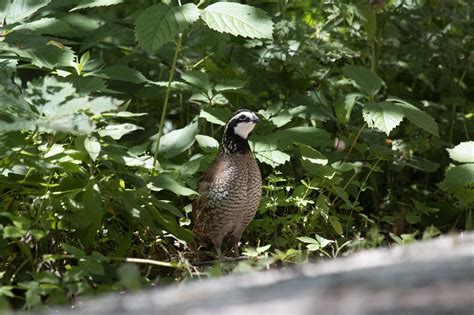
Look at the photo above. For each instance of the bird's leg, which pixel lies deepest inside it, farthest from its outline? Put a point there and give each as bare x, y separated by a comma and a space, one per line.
236, 248
219, 252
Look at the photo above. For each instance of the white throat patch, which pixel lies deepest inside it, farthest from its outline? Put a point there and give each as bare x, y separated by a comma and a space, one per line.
243, 129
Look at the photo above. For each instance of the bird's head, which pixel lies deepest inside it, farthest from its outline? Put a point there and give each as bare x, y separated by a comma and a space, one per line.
237, 130
242, 123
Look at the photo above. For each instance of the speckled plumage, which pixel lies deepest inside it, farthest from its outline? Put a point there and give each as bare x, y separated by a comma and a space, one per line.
229, 191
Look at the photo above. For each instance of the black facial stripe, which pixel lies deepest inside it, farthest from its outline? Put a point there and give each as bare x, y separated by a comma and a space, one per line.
233, 143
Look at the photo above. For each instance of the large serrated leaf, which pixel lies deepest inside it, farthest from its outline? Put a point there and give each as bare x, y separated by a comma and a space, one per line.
416, 115
463, 152
18, 10
266, 151
368, 81
160, 23
42, 52
458, 177
49, 26
238, 20
83, 4
384, 116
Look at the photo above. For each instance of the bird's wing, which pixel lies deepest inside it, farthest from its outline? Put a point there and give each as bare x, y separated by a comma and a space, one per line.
201, 205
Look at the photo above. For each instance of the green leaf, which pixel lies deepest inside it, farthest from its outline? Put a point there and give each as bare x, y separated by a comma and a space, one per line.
323, 241
160, 23
129, 276
308, 240
13, 232
458, 177
164, 181
229, 85
336, 225
169, 147
92, 267
312, 155
199, 80
311, 136
41, 51
121, 73
17, 10
118, 131
49, 26
57, 110
368, 81
92, 146
86, 85
83, 4
430, 232
313, 247
266, 152
416, 115
92, 214
463, 152
207, 143
343, 107
384, 116
216, 115
421, 207
6, 290
76, 252
238, 20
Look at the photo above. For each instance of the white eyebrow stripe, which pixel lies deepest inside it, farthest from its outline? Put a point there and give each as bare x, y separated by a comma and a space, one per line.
248, 114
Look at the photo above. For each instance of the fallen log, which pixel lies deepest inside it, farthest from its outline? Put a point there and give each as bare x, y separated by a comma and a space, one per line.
431, 277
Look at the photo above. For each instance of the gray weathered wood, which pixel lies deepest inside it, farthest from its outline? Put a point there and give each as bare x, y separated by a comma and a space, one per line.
432, 277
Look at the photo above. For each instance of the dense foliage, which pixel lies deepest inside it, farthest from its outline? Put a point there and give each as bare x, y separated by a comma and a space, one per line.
110, 110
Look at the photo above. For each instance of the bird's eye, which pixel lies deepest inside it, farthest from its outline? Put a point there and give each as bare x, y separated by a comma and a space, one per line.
242, 117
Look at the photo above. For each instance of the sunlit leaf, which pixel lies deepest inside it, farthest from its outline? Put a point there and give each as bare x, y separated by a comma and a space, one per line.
207, 143
416, 115
118, 131
160, 23
463, 152
238, 20
18, 10
266, 152
46, 26
164, 181
312, 155
83, 4
458, 177
39, 50
92, 146
169, 147
384, 116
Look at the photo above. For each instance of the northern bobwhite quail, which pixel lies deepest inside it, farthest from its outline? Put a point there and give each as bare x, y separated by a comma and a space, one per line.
230, 190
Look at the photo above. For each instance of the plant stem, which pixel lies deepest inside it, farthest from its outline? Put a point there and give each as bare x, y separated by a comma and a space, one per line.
125, 259
355, 141
165, 103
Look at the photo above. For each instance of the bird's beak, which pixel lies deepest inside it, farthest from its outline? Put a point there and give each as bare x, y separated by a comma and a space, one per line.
255, 119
